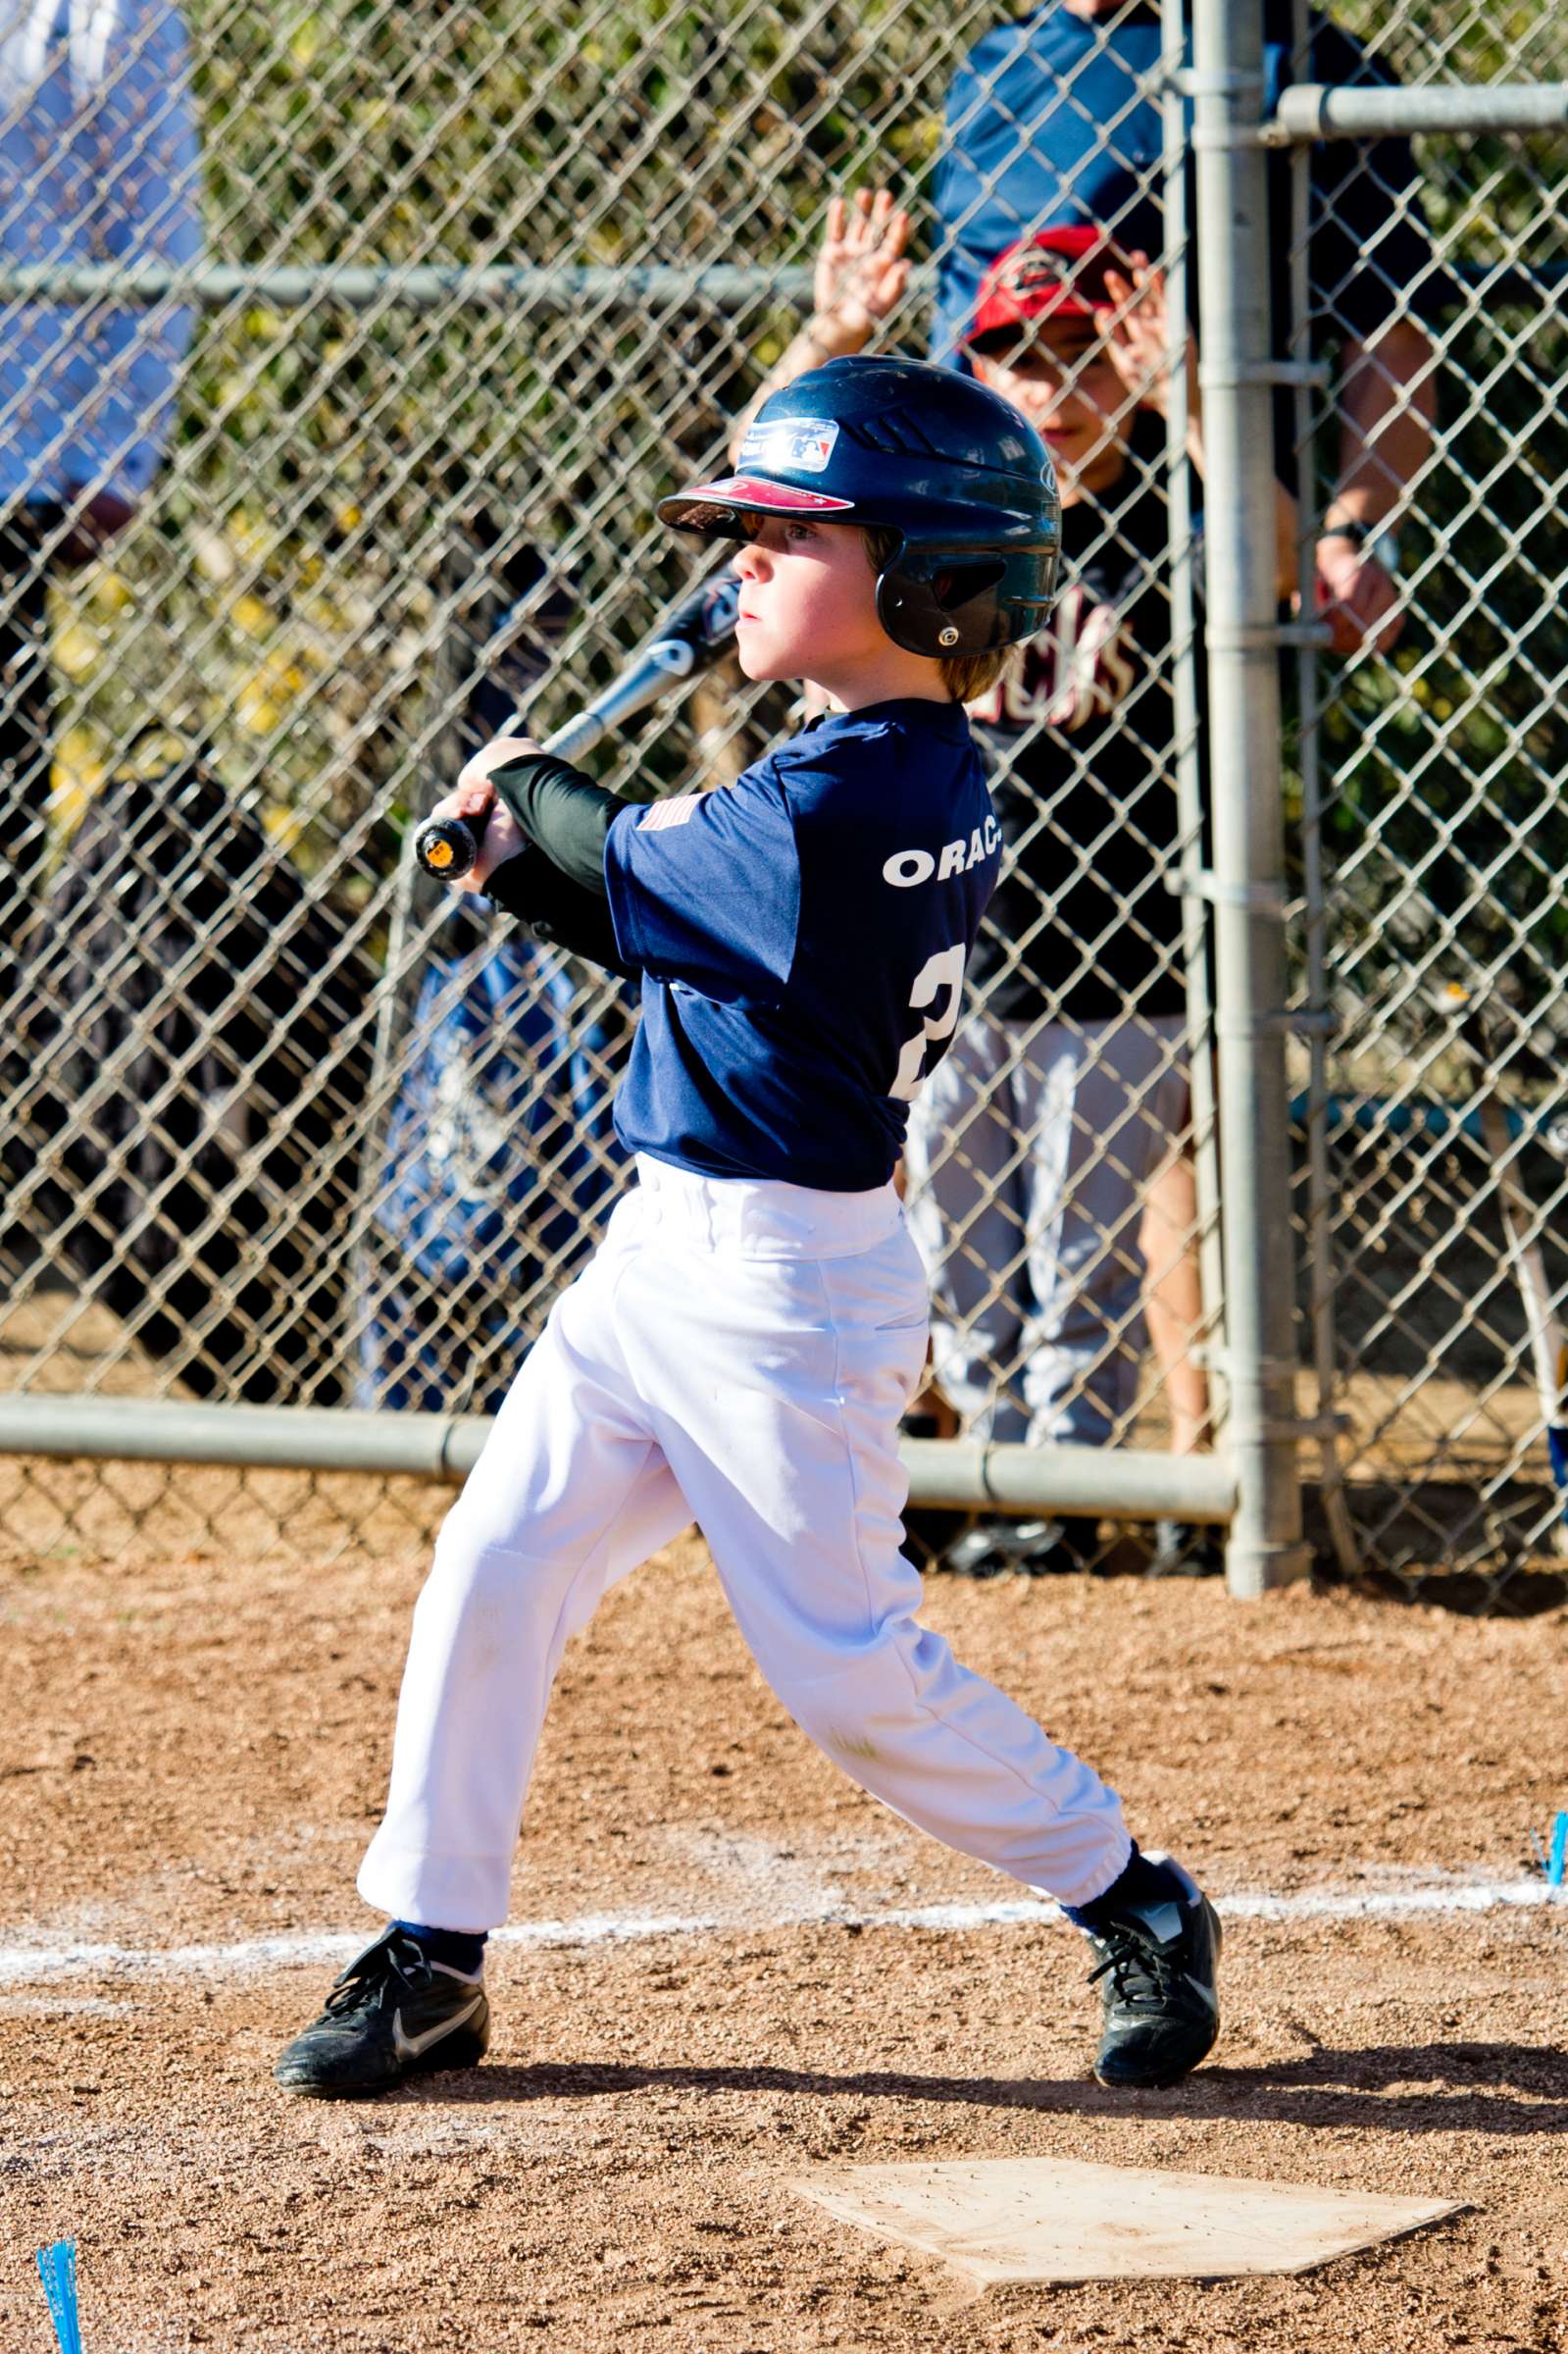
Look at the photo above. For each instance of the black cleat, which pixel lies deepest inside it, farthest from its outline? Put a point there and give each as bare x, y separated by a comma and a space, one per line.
1159, 1961
393, 2014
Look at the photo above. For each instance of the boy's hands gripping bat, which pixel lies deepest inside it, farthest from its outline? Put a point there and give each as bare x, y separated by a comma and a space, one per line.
686, 642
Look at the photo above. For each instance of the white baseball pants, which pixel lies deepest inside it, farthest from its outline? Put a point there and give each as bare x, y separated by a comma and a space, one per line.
738, 1354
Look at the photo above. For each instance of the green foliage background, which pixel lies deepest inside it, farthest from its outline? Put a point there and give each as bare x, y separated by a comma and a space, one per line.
281, 601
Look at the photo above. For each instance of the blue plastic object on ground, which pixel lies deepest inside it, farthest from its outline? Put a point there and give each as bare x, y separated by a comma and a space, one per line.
57, 2270
1557, 1860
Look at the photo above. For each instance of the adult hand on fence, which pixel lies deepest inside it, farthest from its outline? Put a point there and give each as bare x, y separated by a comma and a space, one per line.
1357, 596
861, 271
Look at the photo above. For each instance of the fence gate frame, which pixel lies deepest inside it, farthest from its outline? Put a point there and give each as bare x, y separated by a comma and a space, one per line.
1232, 137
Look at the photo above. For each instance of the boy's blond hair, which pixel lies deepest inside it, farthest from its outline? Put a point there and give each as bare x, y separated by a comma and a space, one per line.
966, 677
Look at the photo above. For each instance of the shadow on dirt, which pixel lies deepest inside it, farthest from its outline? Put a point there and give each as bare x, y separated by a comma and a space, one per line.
1418, 2088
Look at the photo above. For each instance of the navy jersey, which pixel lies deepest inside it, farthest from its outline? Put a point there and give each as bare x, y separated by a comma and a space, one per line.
803, 934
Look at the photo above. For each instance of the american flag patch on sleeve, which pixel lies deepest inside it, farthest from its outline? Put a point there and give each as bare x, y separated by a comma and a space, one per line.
674, 812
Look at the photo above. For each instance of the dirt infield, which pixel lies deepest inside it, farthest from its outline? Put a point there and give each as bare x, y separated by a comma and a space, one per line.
193, 1750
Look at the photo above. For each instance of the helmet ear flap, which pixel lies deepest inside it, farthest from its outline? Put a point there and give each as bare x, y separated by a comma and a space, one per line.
917, 616
944, 601
957, 585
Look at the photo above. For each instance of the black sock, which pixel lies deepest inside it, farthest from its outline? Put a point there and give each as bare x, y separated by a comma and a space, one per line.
1141, 1883
459, 1949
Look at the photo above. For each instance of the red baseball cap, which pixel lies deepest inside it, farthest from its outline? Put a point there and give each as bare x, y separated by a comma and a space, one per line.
1058, 271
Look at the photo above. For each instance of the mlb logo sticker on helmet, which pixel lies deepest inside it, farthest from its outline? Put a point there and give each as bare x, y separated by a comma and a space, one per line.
790, 445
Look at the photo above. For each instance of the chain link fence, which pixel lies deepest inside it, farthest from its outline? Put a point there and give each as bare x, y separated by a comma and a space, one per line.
1430, 927
388, 330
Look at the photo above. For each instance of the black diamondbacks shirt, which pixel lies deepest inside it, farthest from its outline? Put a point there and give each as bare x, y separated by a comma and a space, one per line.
1080, 742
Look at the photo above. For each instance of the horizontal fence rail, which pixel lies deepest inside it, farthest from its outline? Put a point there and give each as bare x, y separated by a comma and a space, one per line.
419, 287
1315, 111
446, 1447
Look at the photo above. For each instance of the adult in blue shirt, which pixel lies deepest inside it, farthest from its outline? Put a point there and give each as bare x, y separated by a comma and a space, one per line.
98, 164
1056, 117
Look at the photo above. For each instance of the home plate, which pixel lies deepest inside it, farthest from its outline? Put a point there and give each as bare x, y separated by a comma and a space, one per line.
1039, 2219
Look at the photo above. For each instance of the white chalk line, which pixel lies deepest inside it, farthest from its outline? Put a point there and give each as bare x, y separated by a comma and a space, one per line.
31, 1963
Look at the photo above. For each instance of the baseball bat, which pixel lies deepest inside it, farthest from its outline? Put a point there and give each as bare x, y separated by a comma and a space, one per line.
1548, 1351
686, 642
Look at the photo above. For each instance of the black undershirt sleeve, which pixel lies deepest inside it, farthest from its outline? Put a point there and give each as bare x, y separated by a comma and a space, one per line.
556, 885
558, 910
557, 807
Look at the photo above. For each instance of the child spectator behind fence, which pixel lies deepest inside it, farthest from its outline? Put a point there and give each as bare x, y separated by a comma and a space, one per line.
1048, 1157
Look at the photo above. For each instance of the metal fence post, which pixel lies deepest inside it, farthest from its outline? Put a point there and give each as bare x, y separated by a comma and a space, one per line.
1247, 881
1186, 654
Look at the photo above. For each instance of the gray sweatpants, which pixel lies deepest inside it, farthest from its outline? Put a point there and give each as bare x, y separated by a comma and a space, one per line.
1029, 1149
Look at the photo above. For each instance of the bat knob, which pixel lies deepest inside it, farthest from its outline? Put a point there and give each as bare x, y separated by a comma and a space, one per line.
446, 849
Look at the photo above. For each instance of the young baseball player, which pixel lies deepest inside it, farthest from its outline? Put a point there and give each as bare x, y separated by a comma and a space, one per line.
741, 1349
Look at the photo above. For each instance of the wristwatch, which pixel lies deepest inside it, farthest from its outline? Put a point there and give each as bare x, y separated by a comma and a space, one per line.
1379, 542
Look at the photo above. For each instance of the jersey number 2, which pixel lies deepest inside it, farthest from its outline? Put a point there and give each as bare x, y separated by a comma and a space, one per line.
940, 979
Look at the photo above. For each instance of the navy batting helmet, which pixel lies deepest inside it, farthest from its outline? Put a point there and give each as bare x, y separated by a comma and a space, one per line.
948, 465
